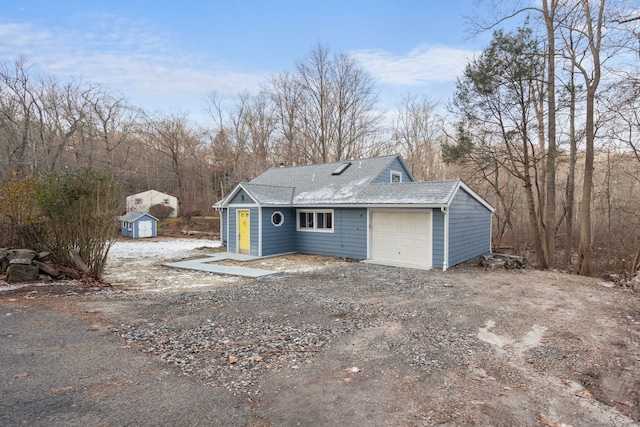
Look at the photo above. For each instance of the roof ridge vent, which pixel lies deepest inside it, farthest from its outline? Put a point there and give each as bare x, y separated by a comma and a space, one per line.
343, 166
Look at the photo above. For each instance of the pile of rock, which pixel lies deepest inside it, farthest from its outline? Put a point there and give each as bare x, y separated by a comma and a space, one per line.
26, 265
509, 262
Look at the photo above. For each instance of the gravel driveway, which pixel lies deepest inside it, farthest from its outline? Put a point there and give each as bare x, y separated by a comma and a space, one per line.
347, 344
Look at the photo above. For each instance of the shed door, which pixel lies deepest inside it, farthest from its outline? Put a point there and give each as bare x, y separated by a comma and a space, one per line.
401, 238
145, 229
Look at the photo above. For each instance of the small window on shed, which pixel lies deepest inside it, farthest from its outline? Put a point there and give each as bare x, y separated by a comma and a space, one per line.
277, 219
396, 176
165, 202
138, 201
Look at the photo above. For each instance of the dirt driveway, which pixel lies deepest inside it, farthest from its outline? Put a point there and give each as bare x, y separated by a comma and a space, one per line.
338, 344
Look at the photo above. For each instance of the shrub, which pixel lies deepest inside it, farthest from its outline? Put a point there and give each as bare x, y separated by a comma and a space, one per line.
160, 211
79, 210
19, 226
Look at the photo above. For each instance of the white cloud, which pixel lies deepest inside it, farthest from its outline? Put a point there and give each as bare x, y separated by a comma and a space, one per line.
420, 66
129, 57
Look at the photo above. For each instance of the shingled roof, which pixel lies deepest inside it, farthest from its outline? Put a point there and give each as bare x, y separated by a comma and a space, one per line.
311, 177
317, 185
134, 216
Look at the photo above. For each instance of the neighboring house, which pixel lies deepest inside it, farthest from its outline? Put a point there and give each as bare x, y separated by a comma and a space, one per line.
370, 209
138, 225
141, 202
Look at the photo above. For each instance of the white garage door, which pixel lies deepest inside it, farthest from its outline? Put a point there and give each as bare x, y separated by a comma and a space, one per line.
401, 238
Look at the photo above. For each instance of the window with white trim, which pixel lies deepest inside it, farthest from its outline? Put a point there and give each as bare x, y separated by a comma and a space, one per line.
316, 220
277, 219
396, 176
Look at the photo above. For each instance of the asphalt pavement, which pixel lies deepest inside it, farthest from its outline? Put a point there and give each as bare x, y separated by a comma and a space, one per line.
57, 369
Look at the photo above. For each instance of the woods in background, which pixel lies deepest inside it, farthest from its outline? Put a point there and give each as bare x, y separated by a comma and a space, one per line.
544, 124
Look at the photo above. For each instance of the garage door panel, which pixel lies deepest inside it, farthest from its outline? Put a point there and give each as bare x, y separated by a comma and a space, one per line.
401, 237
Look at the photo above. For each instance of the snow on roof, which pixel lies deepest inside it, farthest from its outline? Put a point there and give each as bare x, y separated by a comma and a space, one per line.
333, 193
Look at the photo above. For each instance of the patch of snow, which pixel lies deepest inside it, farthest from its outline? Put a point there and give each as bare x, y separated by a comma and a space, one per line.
157, 248
138, 264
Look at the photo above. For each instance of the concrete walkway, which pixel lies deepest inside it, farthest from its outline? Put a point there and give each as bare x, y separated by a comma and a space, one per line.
208, 264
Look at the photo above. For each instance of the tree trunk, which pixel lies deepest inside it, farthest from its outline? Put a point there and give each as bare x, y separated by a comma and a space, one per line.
533, 222
571, 178
592, 80
550, 215
584, 248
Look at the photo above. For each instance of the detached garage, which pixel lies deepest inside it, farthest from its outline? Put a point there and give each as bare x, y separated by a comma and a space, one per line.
369, 209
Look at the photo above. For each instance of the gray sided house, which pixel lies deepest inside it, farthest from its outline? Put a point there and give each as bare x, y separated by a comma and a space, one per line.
138, 225
369, 209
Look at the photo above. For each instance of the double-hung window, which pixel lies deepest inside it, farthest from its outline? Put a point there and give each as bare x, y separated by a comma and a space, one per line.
315, 220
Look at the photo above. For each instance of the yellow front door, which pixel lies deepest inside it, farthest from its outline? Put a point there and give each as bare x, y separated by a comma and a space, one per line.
243, 232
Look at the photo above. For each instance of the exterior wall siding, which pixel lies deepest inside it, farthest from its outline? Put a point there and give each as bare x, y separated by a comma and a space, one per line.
125, 230
278, 239
254, 231
223, 227
348, 240
469, 229
233, 222
396, 166
437, 250
241, 198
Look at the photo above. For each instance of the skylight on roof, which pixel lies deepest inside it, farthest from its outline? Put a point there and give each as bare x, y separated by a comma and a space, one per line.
343, 166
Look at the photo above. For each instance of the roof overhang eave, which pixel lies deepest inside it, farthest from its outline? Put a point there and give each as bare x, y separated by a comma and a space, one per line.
473, 194
230, 196
372, 205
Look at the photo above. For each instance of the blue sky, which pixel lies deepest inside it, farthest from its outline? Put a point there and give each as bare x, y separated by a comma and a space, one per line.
166, 56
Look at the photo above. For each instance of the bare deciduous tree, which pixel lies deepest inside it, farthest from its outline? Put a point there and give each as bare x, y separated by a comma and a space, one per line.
417, 132
325, 109
585, 56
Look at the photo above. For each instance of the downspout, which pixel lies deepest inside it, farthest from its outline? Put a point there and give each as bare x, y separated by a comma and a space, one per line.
445, 261
220, 220
490, 231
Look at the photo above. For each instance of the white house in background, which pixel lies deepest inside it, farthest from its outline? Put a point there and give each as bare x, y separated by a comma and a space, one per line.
141, 202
